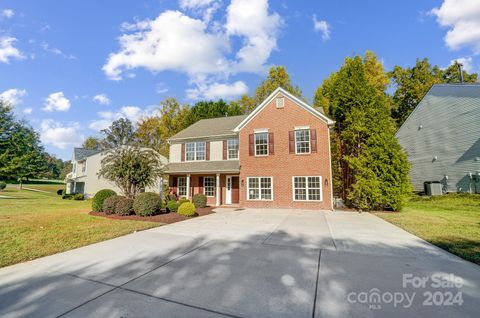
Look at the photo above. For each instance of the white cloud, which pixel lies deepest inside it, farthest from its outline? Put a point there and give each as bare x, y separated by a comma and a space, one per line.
322, 26
467, 63
161, 88
102, 99
133, 113
206, 8
46, 47
13, 96
218, 90
27, 111
56, 102
7, 49
199, 48
173, 41
250, 20
463, 19
7, 13
60, 135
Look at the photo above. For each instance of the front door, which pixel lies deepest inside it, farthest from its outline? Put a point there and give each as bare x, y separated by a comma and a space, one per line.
233, 192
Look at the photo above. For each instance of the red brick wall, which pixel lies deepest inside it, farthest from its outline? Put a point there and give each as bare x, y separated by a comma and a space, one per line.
282, 165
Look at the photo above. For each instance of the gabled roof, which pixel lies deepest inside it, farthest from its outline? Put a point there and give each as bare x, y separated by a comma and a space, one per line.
297, 100
82, 153
213, 127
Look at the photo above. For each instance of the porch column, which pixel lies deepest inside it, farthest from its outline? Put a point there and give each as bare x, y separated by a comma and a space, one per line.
161, 188
74, 186
188, 186
218, 193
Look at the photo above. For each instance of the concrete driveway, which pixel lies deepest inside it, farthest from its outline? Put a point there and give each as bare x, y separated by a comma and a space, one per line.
249, 263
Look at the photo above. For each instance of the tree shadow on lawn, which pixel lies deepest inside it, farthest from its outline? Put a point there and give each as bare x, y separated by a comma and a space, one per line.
151, 273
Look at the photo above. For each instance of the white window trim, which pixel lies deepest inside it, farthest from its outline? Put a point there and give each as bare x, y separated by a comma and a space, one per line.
309, 141
260, 189
178, 186
84, 168
238, 151
214, 186
195, 150
306, 188
255, 143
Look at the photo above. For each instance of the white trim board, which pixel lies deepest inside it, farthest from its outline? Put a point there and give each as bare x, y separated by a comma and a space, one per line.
297, 100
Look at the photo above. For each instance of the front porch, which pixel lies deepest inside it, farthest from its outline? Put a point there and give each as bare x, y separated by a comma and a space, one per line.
221, 189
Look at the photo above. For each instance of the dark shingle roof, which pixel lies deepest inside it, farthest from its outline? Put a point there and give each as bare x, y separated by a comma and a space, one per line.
82, 153
210, 127
204, 166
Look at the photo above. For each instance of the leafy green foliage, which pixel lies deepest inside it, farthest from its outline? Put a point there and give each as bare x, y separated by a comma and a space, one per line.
370, 168
412, 83
92, 143
99, 198
131, 168
210, 109
124, 206
60, 191
183, 200
172, 206
120, 133
199, 200
187, 209
78, 196
109, 204
147, 203
3, 185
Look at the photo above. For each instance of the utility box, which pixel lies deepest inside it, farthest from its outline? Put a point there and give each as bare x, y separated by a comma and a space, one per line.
433, 188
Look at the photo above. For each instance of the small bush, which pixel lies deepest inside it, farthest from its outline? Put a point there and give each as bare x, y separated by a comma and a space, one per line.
171, 197
172, 206
100, 196
147, 203
124, 206
109, 204
60, 192
183, 200
187, 209
199, 200
3, 185
67, 197
78, 196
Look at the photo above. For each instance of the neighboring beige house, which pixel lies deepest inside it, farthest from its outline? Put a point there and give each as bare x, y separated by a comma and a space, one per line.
84, 176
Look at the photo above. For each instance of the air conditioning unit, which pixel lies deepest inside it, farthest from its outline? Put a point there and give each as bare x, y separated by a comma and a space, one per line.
433, 188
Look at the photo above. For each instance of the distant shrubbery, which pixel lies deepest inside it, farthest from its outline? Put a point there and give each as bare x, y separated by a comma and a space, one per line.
3, 185
99, 198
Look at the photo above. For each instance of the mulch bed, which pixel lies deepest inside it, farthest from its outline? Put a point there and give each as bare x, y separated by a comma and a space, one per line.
167, 218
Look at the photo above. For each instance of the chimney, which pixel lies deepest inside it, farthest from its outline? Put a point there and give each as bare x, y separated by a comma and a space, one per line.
460, 70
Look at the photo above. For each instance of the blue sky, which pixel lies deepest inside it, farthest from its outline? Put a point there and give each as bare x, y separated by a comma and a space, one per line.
71, 67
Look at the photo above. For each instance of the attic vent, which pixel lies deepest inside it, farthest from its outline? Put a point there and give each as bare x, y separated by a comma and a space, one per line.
280, 102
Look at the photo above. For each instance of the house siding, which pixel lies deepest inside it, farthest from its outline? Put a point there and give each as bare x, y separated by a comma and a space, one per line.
445, 125
283, 165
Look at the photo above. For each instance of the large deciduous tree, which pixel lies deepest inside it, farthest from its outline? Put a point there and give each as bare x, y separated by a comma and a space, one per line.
210, 109
121, 132
92, 143
131, 168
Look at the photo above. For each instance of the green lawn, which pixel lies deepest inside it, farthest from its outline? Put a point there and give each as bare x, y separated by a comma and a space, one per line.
451, 222
35, 224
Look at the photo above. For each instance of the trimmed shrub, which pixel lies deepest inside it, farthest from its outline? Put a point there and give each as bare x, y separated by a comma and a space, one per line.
124, 206
3, 185
109, 204
60, 192
78, 196
172, 206
67, 197
147, 203
183, 200
187, 209
199, 200
100, 196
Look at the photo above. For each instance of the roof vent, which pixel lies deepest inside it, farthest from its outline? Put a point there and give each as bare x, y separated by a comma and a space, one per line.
280, 102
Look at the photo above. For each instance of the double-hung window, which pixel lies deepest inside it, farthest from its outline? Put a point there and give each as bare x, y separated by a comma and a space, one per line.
195, 151
302, 141
182, 186
259, 188
209, 186
232, 148
261, 144
307, 188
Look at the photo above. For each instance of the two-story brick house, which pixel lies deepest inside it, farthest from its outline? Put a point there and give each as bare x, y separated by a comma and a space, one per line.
277, 156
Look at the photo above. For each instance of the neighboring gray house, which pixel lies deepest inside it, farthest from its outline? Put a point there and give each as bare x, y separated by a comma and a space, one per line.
84, 176
442, 138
